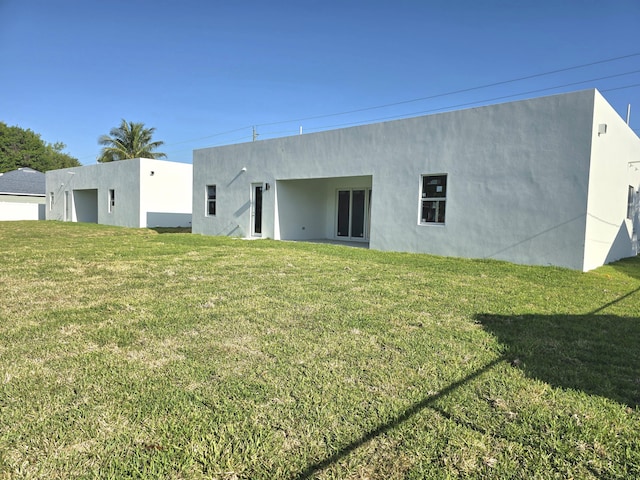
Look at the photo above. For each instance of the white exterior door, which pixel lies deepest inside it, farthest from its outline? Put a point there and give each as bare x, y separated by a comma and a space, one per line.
68, 206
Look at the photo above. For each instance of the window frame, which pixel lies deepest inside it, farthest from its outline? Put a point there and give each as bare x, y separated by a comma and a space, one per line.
112, 199
440, 201
211, 200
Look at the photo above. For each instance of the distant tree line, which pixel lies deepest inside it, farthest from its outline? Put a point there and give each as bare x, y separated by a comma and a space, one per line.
25, 148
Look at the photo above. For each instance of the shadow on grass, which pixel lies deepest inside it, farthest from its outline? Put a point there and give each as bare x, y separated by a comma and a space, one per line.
171, 229
629, 266
595, 353
384, 428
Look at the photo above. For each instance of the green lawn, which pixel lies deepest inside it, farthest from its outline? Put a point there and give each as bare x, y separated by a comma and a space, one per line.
129, 353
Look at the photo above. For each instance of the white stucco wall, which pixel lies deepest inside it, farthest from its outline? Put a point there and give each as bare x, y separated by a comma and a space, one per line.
21, 207
615, 165
165, 196
123, 177
139, 196
302, 212
518, 180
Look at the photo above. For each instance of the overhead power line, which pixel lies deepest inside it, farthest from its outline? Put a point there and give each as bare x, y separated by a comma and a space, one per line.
621, 88
431, 97
476, 102
455, 92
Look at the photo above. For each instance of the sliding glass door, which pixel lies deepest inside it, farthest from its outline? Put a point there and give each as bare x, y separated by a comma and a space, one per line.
353, 213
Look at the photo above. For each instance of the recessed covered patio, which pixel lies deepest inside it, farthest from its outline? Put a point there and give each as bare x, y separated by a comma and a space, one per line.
330, 210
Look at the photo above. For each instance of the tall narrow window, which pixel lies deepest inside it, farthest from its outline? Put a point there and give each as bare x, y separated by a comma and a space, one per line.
51, 201
433, 198
256, 207
630, 201
211, 200
112, 199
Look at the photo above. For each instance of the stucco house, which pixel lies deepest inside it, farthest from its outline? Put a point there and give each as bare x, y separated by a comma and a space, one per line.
137, 193
22, 195
545, 181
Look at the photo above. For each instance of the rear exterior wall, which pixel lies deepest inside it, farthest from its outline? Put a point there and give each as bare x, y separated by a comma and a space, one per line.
517, 179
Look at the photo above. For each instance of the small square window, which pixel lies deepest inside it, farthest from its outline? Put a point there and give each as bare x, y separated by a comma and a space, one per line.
433, 199
211, 200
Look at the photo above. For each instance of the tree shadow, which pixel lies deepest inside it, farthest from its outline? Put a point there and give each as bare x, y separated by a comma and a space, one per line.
396, 421
597, 354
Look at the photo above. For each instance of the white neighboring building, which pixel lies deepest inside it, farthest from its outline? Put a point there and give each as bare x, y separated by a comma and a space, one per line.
22, 195
137, 193
546, 181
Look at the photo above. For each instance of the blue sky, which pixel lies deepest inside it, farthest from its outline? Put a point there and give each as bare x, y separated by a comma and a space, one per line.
204, 73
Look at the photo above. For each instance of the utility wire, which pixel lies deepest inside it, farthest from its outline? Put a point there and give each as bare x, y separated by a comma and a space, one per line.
445, 108
621, 88
466, 104
455, 92
430, 97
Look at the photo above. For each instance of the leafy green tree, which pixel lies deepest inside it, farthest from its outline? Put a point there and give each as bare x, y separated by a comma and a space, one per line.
129, 140
25, 148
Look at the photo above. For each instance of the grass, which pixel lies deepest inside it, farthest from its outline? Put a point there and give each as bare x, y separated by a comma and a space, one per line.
130, 353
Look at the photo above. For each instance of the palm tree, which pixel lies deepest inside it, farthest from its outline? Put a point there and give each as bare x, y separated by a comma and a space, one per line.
129, 140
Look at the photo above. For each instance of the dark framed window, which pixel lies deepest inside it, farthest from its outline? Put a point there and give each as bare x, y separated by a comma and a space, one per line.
433, 199
631, 197
112, 199
211, 200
